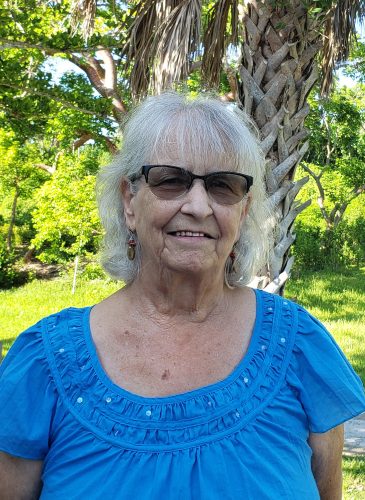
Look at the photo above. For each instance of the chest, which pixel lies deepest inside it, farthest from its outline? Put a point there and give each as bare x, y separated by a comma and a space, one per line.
162, 362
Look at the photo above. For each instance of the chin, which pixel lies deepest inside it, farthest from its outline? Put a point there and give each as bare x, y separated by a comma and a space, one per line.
192, 267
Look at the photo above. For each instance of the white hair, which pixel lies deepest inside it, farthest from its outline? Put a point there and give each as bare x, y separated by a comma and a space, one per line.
202, 127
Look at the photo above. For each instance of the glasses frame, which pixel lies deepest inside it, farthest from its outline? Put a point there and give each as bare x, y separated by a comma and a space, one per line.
146, 170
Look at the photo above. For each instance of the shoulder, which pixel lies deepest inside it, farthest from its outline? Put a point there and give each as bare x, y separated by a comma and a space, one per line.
316, 369
302, 322
29, 393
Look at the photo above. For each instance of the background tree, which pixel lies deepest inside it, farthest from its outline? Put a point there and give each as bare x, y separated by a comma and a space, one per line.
337, 151
126, 50
33, 33
278, 72
18, 180
66, 218
332, 231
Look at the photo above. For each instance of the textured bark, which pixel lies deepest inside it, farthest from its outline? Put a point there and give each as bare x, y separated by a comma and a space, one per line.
102, 73
80, 141
277, 72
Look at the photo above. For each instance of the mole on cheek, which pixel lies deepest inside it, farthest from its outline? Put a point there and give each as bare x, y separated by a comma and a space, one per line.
165, 375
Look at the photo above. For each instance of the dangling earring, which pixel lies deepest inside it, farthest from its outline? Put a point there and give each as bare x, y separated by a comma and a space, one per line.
231, 264
131, 252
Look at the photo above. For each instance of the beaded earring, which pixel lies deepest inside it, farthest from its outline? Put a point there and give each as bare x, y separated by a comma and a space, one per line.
131, 252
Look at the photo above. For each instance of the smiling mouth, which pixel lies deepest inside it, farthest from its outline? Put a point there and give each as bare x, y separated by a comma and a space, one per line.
190, 234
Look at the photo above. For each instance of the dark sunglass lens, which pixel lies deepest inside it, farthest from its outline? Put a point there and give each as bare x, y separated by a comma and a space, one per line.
168, 182
227, 188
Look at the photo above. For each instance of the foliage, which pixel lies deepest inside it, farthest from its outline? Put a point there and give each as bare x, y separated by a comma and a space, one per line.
66, 124
317, 247
331, 231
18, 180
92, 271
17, 163
8, 275
66, 219
337, 140
355, 66
35, 34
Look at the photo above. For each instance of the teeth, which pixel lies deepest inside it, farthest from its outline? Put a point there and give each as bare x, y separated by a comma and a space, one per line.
188, 233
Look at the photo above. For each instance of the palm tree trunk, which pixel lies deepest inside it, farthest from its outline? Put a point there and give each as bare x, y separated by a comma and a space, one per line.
277, 73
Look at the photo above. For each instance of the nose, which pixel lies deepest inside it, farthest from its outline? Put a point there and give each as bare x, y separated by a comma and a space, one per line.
197, 202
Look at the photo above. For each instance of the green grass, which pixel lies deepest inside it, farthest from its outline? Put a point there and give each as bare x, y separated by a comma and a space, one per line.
24, 306
353, 478
337, 299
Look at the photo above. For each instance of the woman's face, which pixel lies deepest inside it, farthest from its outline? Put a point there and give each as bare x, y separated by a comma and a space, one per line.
192, 233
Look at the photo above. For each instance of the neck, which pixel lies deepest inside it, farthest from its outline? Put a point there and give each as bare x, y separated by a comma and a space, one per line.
170, 294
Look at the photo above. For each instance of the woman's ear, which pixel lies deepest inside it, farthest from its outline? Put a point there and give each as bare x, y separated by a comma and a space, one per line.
128, 203
246, 206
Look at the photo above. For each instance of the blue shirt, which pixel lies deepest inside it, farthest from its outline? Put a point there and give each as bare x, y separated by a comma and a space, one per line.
243, 437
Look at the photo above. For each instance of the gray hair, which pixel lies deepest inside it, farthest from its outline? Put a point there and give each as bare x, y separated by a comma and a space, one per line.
201, 127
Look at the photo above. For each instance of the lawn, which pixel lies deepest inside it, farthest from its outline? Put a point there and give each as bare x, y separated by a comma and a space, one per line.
24, 306
337, 299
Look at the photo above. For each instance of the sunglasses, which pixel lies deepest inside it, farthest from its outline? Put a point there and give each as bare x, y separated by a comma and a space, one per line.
168, 183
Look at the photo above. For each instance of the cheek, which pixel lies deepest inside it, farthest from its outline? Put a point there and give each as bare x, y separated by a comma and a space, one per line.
151, 218
232, 223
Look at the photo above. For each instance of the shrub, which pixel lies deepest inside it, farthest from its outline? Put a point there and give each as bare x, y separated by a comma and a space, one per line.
8, 274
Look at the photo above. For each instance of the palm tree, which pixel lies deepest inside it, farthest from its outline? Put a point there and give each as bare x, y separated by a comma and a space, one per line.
281, 43
277, 72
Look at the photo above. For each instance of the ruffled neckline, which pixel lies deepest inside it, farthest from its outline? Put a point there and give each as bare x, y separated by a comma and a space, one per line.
170, 422
199, 391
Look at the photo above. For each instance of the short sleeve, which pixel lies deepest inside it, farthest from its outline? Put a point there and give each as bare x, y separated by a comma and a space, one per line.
27, 397
327, 386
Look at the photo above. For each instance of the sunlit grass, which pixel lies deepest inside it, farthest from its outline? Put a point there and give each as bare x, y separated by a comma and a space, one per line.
338, 300
353, 478
24, 306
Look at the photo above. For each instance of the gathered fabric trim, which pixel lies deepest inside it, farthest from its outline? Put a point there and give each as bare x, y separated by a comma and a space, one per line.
192, 419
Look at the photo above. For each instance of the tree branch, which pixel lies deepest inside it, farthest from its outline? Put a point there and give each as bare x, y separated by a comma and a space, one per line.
48, 168
86, 135
110, 145
232, 81
339, 210
57, 99
110, 80
104, 80
321, 197
81, 140
14, 44
329, 147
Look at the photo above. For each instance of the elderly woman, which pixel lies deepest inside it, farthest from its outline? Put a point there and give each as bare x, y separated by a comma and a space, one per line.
185, 384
